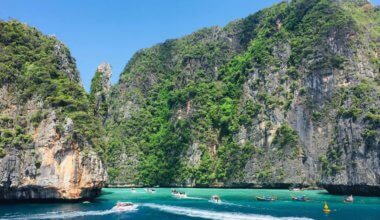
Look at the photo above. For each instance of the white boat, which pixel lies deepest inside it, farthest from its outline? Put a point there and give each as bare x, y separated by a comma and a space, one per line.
216, 199
182, 195
124, 206
349, 199
179, 195
295, 189
150, 190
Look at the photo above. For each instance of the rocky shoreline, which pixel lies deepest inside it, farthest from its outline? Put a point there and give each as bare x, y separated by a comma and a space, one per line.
358, 190
238, 186
43, 194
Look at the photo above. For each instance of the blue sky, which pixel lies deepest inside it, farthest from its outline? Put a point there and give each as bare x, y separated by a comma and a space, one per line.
113, 30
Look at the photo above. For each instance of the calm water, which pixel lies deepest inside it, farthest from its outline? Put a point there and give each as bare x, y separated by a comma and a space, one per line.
237, 204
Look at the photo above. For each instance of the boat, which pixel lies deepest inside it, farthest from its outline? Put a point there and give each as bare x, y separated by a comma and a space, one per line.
86, 202
124, 206
300, 198
133, 190
150, 190
326, 209
266, 198
182, 195
295, 189
349, 199
174, 192
178, 194
216, 199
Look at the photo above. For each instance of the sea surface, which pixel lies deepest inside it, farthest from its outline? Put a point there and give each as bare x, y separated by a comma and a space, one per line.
236, 204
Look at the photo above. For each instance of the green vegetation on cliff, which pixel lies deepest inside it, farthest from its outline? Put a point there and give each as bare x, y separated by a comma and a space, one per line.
40, 69
218, 106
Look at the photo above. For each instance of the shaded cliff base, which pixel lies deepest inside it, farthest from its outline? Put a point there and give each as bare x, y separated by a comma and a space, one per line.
41, 194
359, 190
231, 186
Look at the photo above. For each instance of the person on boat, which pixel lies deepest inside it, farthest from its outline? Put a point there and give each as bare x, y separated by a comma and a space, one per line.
175, 192
350, 198
181, 195
215, 198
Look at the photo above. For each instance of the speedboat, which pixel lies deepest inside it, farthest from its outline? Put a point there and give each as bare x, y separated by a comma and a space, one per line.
349, 199
124, 206
174, 192
216, 199
266, 198
295, 189
150, 190
179, 195
300, 198
133, 190
182, 195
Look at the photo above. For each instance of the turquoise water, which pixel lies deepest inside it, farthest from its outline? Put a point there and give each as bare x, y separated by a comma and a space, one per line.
236, 204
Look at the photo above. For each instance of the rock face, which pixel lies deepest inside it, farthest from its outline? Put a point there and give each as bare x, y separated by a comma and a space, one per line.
287, 96
47, 144
54, 168
100, 90
106, 73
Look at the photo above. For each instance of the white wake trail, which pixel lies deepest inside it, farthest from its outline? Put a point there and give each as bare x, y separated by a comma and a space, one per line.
64, 215
229, 203
196, 198
214, 215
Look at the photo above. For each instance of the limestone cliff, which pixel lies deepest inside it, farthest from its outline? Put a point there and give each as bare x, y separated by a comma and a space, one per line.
100, 90
289, 95
48, 147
